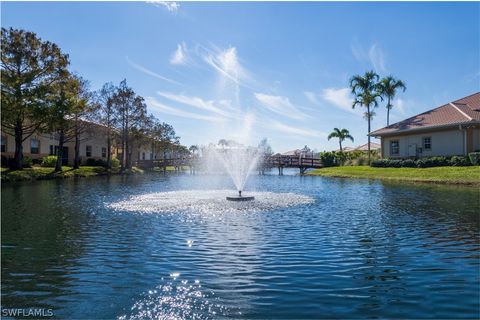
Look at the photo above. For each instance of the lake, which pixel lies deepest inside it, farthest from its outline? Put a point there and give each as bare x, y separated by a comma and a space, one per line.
154, 246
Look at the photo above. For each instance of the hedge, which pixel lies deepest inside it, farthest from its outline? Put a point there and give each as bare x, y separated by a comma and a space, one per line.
423, 162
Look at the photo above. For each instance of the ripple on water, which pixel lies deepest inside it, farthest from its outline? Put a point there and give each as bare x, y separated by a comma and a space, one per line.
207, 201
176, 299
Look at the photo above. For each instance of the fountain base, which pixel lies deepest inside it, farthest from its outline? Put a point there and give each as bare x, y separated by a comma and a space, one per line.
240, 198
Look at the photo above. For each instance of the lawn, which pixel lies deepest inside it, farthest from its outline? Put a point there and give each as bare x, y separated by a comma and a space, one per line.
38, 173
451, 175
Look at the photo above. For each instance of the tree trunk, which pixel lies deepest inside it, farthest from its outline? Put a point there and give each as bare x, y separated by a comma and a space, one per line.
76, 157
369, 118
109, 153
58, 165
76, 160
124, 154
388, 112
339, 142
18, 165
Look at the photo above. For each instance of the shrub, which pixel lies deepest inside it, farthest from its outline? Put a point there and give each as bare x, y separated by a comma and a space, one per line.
49, 161
380, 163
27, 162
459, 161
115, 163
409, 163
474, 158
328, 158
96, 162
432, 162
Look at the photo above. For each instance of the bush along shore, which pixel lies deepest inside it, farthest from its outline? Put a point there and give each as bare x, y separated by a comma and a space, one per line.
446, 170
44, 173
46, 170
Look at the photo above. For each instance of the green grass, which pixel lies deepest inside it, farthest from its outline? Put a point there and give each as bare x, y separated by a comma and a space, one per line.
40, 173
169, 168
450, 175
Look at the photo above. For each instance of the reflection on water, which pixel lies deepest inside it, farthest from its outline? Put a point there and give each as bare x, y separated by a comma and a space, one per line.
340, 248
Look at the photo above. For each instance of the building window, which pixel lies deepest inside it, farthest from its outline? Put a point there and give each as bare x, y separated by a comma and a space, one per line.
4, 144
88, 151
151, 156
34, 146
394, 147
427, 143
104, 152
143, 155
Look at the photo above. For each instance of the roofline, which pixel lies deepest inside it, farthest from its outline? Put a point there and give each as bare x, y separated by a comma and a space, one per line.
452, 103
456, 101
393, 133
463, 113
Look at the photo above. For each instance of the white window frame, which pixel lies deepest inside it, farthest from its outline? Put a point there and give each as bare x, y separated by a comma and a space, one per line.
430, 143
4, 143
87, 151
38, 146
391, 147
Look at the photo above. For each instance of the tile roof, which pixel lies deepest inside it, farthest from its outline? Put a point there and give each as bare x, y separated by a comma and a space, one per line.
364, 147
462, 111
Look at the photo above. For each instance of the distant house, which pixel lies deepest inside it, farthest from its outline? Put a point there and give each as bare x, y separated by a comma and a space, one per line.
364, 147
451, 129
295, 152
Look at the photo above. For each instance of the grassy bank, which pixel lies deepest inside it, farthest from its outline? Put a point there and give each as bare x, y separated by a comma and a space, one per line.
449, 175
40, 173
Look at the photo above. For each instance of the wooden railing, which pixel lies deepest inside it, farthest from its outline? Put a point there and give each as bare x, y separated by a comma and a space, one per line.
293, 162
272, 161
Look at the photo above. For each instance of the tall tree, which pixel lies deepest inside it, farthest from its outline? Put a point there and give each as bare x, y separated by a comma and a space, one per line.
29, 67
64, 99
366, 94
83, 114
341, 134
388, 87
106, 115
131, 112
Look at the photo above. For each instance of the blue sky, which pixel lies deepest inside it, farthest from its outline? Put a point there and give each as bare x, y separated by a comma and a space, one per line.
248, 70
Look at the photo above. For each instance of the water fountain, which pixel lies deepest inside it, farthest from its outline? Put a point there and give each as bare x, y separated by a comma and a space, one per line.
239, 162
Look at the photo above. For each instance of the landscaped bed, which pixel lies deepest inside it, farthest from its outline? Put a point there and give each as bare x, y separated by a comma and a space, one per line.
39, 173
451, 175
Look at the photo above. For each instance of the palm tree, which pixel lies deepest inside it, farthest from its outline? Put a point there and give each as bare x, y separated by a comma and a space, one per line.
366, 92
341, 134
388, 88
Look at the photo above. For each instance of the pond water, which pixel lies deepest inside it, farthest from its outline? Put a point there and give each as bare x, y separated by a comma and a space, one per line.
133, 248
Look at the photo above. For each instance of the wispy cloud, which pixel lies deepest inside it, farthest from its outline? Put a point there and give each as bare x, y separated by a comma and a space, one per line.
227, 63
220, 108
280, 105
399, 105
373, 57
157, 106
339, 98
150, 72
275, 125
312, 97
179, 57
171, 6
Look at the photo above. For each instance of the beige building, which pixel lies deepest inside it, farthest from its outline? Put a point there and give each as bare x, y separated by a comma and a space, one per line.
448, 130
93, 144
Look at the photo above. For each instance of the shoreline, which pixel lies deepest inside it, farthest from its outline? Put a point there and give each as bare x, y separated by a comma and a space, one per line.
46, 173
459, 176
